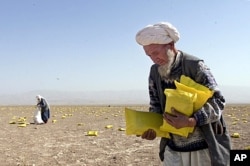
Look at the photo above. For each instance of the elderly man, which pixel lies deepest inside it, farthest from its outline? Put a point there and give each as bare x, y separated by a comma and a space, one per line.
209, 144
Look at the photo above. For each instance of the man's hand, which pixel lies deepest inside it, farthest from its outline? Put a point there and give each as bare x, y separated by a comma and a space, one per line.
179, 120
150, 134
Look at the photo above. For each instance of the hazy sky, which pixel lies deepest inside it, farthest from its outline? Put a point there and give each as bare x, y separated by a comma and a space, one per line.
84, 45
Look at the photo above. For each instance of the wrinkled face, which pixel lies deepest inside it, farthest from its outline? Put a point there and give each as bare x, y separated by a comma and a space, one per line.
157, 53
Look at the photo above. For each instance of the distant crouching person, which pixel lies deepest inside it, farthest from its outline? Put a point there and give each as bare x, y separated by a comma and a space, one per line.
45, 109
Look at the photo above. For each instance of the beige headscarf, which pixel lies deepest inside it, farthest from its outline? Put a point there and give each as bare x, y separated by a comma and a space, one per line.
160, 33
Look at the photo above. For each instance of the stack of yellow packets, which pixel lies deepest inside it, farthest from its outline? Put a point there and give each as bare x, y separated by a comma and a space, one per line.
187, 98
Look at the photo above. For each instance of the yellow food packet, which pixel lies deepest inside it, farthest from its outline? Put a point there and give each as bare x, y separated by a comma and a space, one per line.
187, 98
22, 125
183, 102
92, 133
122, 129
137, 122
188, 85
180, 100
109, 126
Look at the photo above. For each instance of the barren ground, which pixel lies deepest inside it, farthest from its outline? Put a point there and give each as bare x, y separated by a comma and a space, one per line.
65, 142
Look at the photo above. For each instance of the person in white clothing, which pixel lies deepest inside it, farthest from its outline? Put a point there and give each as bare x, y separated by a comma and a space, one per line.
44, 108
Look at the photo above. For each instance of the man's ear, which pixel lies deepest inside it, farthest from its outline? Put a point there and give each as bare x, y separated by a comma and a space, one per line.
172, 45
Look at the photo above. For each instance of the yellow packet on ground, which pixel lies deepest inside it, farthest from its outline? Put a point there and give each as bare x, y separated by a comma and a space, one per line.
137, 122
22, 125
109, 126
92, 133
183, 102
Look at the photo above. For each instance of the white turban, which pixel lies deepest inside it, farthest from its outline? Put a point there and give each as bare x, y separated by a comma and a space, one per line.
39, 97
160, 33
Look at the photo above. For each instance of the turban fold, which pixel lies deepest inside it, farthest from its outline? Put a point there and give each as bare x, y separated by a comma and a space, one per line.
160, 33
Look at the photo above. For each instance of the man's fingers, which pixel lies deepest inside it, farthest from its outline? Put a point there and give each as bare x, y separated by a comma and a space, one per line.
175, 112
168, 117
150, 134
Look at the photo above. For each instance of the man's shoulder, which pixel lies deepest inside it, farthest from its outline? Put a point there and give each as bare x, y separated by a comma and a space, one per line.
190, 57
190, 64
154, 66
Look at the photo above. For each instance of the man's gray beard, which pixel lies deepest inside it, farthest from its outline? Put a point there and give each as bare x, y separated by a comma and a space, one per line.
164, 70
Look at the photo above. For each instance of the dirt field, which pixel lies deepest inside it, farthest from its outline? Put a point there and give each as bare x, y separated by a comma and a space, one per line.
64, 140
